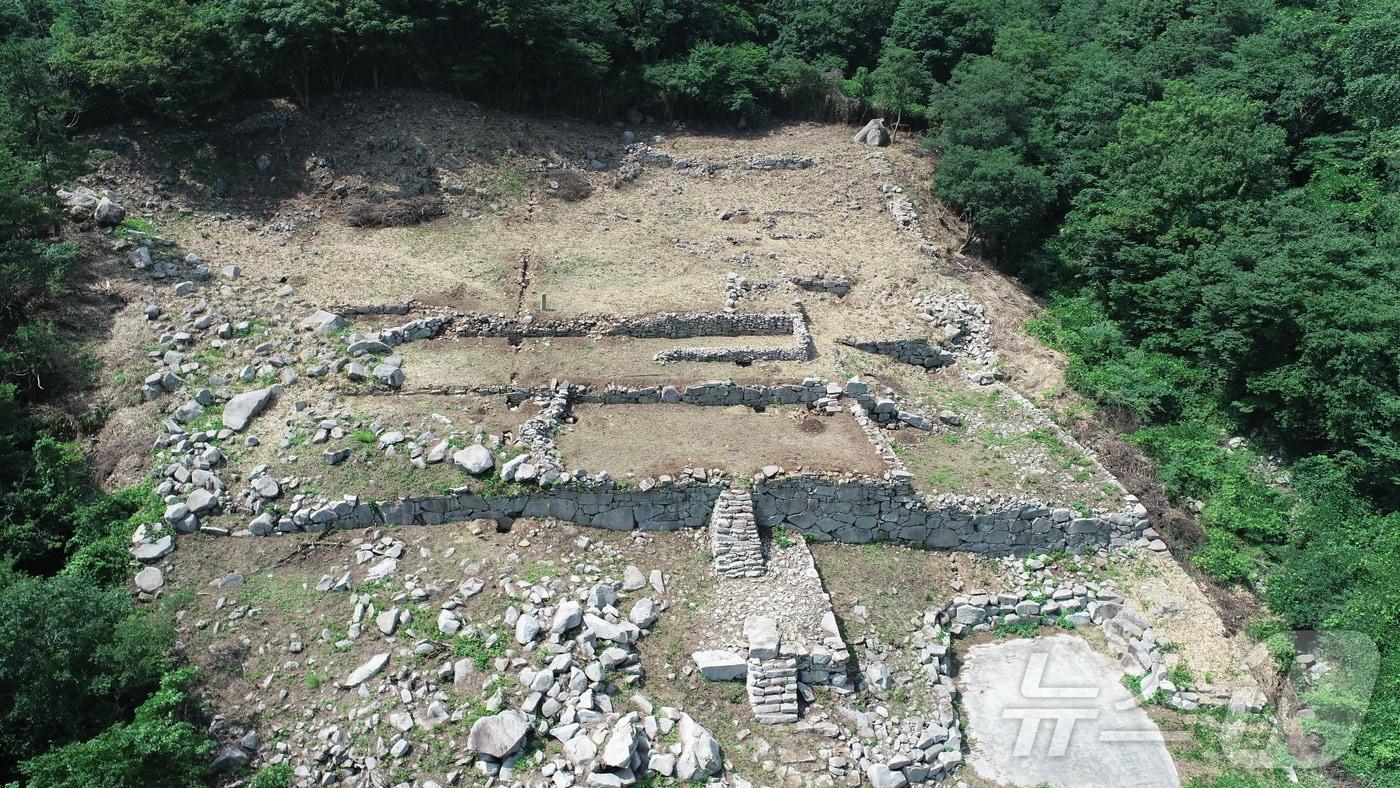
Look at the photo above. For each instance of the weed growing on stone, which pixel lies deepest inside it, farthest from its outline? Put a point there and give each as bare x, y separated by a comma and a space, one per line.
1023, 628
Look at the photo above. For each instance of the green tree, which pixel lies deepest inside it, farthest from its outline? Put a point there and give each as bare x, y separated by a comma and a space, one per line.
158, 749
1178, 169
984, 106
74, 659
729, 80
1368, 53
163, 56
1002, 196
899, 84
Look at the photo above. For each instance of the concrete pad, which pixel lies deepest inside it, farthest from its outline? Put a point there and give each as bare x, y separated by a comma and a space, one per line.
1052, 711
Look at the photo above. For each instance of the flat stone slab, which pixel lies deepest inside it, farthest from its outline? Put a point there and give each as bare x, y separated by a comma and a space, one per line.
763, 636
1052, 711
721, 665
370, 668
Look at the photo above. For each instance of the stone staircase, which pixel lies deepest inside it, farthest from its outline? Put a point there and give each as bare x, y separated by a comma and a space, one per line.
734, 540
772, 685
772, 676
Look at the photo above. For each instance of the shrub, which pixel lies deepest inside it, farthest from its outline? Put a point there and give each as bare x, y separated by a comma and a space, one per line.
1225, 558
32, 270
42, 363
74, 659
275, 776
732, 79
158, 749
37, 508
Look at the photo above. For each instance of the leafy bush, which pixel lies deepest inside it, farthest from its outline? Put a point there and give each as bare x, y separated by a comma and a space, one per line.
74, 658
1225, 558
38, 506
32, 270
98, 549
278, 775
733, 80
42, 363
158, 749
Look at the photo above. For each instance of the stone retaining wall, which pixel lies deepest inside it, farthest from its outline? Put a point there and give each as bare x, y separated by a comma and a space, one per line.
862, 512
737, 355
713, 392
662, 508
373, 309
675, 325
414, 330
671, 325
916, 351
822, 508
819, 284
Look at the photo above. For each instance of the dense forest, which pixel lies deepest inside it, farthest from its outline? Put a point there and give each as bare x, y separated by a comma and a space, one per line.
1204, 191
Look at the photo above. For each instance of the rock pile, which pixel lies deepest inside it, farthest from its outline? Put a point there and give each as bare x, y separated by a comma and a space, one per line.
915, 350
962, 325
820, 284
84, 204
771, 679
907, 217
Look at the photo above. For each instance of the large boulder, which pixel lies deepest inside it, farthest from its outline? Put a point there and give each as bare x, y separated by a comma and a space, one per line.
80, 202
763, 636
150, 579
498, 735
475, 460
700, 753
242, 408
108, 212
874, 134
721, 665
882, 776
621, 744
323, 322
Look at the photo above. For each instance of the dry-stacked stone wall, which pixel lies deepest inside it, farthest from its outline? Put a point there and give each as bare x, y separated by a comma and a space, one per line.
916, 351
677, 325
893, 512
734, 540
661, 508
819, 507
714, 392
414, 330
820, 284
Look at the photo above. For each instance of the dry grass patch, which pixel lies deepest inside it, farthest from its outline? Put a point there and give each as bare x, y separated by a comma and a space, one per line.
884, 587
649, 440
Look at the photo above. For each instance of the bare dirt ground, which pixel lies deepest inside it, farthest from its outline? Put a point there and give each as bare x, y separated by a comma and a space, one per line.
649, 440
274, 203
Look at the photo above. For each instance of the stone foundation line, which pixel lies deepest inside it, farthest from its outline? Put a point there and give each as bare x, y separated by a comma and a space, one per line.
847, 508
1141, 654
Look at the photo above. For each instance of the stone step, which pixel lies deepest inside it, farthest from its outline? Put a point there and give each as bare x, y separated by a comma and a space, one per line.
734, 539
772, 688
